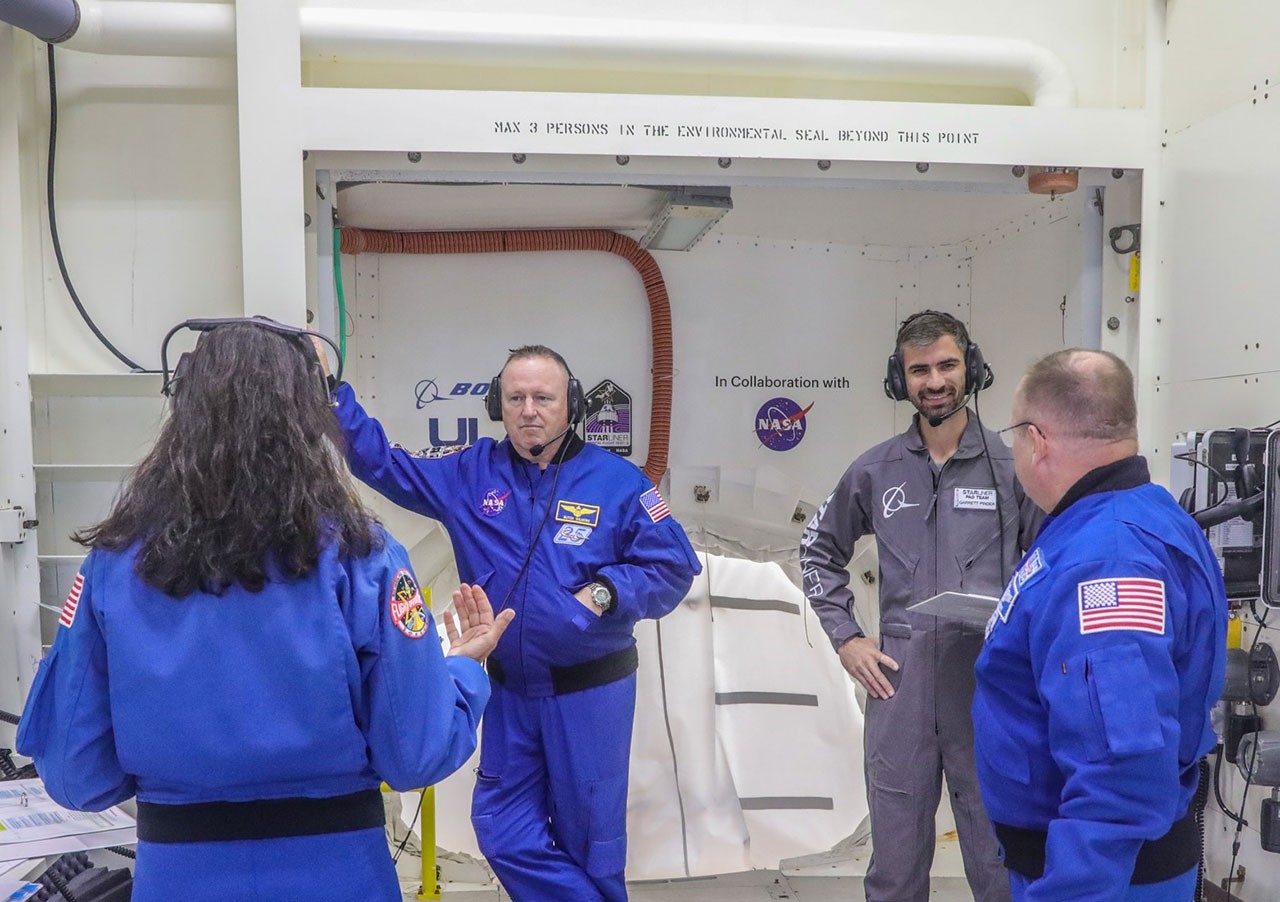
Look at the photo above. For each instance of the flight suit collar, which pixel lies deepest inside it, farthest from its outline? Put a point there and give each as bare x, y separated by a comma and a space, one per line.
1127, 473
970, 439
572, 447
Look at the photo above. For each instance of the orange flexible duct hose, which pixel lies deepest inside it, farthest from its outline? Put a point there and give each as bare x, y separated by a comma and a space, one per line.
372, 241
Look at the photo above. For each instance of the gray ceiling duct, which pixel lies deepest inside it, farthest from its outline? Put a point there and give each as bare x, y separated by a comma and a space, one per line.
49, 20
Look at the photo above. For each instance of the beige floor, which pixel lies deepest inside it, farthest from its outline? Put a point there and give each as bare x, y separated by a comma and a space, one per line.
817, 878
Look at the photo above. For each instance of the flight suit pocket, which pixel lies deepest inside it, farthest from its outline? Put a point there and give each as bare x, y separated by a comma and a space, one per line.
897, 568
894, 639
1122, 702
607, 830
575, 611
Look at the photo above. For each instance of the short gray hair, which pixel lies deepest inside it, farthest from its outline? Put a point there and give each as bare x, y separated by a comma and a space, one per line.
1089, 392
924, 328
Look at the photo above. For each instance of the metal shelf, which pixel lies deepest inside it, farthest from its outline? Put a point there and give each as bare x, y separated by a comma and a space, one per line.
82, 472
96, 385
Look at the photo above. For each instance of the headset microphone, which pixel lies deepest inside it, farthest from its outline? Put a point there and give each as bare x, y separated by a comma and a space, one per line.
536, 450
935, 422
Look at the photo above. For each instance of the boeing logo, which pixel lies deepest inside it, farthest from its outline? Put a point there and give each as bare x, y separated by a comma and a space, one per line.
428, 390
895, 499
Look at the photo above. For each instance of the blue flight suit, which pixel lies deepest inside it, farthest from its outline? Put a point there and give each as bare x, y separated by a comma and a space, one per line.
1094, 690
549, 808
293, 703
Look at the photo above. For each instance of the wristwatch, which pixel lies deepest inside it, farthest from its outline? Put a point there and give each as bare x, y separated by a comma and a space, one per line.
601, 595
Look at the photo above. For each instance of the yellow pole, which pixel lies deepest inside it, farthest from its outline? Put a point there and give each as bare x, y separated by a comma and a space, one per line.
430, 888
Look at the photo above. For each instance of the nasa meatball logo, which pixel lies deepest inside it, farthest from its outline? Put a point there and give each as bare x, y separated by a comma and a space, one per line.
407, 609
780, 424
494, 502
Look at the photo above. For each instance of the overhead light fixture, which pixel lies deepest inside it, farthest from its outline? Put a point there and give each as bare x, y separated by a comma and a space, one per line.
689, 214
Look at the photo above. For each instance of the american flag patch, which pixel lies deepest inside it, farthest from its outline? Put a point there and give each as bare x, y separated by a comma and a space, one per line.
1131, 603
654, 505
73, 601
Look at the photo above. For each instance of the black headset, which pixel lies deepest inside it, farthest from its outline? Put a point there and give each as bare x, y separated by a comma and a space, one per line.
977, 373
302, 337
577, 400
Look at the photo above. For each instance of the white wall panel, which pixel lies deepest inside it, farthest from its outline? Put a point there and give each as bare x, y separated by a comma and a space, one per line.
147, 205
1022, 272
1218, 55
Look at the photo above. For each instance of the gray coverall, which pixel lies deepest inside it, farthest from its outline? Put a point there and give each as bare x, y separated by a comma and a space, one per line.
936, 530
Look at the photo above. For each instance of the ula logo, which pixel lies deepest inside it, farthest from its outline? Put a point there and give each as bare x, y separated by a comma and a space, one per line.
780, 424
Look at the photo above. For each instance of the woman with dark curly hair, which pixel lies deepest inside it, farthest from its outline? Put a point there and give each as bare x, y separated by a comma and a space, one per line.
248, 652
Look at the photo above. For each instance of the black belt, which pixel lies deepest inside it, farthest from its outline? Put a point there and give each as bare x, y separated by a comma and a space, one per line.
587, 675
259, 819
1177, 852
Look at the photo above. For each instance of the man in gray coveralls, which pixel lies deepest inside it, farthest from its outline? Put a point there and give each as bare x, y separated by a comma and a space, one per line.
931, 497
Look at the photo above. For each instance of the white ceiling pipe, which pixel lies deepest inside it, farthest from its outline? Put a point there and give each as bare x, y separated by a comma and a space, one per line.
133, 28
651, 46
208, 29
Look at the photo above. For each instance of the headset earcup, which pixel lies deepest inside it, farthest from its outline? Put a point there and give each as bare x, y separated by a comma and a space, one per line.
493, 400
977, 374
577, 402
895, 381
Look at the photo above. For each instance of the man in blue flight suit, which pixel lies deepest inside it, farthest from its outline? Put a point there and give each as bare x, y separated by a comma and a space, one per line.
582, 546
1104, 657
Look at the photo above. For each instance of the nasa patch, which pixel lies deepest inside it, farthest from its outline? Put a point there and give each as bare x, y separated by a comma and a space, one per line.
494, 502
407, 610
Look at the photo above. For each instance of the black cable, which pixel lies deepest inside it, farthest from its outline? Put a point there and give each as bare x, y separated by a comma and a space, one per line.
8, 771
53, 220
558, 460
986, 452
1217, 788
1201, 802
1248, 781
395, 859
10, 718
123, 852
1190, 457
1253, 758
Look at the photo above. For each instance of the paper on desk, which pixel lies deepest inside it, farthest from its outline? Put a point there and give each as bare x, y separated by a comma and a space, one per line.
18, 890
32, 824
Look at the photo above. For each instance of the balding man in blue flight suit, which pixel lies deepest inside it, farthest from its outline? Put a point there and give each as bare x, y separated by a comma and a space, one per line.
581, 545
1103, 659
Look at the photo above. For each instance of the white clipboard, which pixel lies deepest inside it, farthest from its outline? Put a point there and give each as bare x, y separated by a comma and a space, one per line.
975, 610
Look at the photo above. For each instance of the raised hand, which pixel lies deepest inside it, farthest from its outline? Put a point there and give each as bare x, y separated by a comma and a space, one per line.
476, 631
